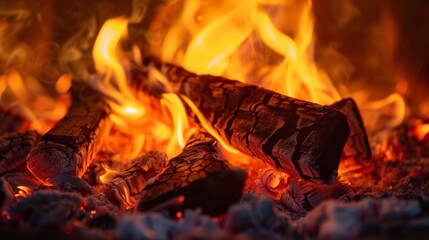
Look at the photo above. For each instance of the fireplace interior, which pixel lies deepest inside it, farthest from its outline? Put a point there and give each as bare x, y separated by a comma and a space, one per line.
203, 119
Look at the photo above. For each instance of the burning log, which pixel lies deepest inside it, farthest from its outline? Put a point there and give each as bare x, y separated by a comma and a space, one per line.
200, 176
14, 147
301, 138
357, 146
301, 196
297, 195
127, 185
11, 121
70, 146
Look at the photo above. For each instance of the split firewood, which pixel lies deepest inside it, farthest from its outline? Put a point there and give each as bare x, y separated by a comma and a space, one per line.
14, 147
11, 121
126, 186
70, 146
301, 196
199, 177
302, 138
297, 195
357, 146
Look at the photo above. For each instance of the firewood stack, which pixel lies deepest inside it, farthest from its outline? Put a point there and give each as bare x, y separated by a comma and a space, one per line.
302, 138
301, 141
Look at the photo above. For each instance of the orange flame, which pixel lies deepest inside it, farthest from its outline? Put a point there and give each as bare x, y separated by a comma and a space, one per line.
107, 55
23, 192
260, 42
31, 99
140, 123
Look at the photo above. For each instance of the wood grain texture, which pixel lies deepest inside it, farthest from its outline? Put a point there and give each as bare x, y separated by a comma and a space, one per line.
200, 175
124, 189
70, 146
301, 138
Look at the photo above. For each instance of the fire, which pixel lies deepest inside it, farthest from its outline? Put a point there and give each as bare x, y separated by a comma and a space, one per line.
420, 130
182, 129
107, 55
30, 98
23, 192
267, 43
140, 123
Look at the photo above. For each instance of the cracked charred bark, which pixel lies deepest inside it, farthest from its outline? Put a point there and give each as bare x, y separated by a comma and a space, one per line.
70, 146
301, 138
200, 175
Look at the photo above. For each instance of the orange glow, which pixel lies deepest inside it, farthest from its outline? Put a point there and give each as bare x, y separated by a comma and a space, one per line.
107, 56
30, 98
182, 129
63, 83
23, 192
140, 123
268, 43
108, 175
420, 130
130, 201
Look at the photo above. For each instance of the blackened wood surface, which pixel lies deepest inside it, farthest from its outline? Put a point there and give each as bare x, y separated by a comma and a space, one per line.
357, 146
14, 147
199, 175
70, 146
302, 138
301, 196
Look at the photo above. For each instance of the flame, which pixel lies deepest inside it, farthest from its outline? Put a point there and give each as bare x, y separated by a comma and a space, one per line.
182, 128
268, 43
420, 130
108, 174
145, 122
23, 192
107, 56
30, 98
128, 199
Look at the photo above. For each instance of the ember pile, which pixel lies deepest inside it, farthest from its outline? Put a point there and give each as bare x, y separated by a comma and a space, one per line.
181, 139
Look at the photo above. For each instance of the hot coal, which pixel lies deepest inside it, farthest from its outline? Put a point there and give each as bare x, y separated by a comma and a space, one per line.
380, 217
68, 183
46, 208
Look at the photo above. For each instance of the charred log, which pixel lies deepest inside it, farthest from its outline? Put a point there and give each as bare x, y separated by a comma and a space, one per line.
301, 196
70, 146
357, 146
126, 186
200, 176
297, 195
14, 147
301, 138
